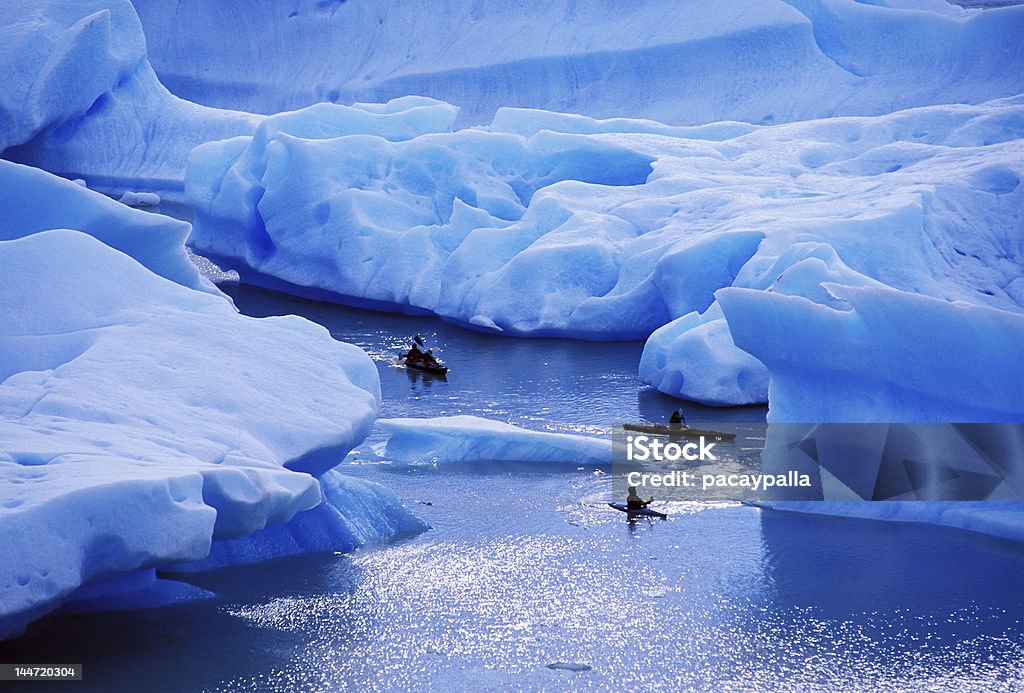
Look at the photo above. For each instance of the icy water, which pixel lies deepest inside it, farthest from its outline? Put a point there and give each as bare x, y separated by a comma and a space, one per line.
526, 568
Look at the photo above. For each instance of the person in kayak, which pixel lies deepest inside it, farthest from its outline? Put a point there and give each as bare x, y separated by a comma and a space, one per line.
635, 502
677, 419
415, 355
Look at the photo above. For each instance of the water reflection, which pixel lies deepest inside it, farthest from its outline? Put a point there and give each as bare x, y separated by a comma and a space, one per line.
554, 384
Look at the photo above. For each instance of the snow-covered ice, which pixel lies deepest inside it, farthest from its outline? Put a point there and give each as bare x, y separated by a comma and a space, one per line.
143, 420
475, 439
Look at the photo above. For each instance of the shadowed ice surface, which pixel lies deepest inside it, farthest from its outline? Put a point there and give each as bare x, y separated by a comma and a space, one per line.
526, 567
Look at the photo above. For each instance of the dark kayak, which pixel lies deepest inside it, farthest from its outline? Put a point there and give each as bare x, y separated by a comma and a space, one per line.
644, 512
438, 368
679, 432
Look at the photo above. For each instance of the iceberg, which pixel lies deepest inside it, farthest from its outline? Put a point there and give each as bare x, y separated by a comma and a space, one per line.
144, 421
679, 62
619, 231
1000, 519
587, 224
78, 97
312, 205
352, 514
475, 439
35, 201
885, 355
139, 199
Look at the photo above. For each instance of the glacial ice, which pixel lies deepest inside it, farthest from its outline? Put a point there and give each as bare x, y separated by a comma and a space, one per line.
132, 198
34, 201
845, 268
143, 420
1000, 519
882, 355
475, 439
353, 513
681, 62
555, 224
79, 98
615, 234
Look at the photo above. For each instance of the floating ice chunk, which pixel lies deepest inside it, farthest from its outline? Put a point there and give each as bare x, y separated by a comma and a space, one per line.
569, 666
353, 513
471, 439
695, 358
140, 199
141, 420
887, 355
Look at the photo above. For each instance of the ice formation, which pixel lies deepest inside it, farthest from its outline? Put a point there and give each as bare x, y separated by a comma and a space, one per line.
139, 199
618, 233
34, 201
996, 519
550, 224
474, 439
703, 195
353, 513
678, 62
78, 97
145, 423
142, 420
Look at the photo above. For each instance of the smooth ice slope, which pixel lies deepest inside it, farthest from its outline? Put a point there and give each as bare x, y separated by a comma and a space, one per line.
141, 419
34, 201
78, 97
679, 62
473, 439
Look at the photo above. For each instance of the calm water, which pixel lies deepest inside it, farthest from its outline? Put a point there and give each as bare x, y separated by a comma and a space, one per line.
526, 567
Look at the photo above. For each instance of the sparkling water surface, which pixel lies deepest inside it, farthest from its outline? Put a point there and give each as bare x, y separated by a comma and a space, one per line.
526, 567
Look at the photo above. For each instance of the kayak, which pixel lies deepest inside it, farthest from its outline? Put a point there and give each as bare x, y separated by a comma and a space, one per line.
644, 512
679, 432
426, 367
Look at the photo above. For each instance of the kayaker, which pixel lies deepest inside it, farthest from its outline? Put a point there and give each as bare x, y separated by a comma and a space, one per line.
677, 418
414, 355
634, 501
428, 358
